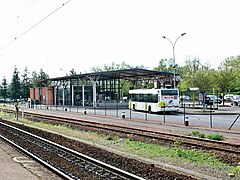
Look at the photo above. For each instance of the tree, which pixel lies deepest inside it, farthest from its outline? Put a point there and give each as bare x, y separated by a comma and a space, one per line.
37, 77
25, 84
114, 66
234, 63
4, 92
227, 75
204, 79
72, 72
15, 85
167, 66
42, 75
126, 84
195, 74
34, 79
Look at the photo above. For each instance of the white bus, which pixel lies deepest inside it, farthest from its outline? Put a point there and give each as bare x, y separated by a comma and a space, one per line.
154, 100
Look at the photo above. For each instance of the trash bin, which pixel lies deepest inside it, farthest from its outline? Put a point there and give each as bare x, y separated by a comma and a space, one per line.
123, 115
186, 121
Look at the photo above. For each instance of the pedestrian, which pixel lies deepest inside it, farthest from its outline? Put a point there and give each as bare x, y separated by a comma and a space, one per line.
207, 102
17, 110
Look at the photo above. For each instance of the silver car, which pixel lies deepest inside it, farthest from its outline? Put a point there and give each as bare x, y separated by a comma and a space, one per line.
236, 100
214, 99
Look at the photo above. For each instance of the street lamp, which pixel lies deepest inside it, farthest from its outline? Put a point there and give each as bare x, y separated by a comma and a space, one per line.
174, 65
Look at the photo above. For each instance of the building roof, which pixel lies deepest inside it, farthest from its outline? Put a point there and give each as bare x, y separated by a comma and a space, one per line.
128, 74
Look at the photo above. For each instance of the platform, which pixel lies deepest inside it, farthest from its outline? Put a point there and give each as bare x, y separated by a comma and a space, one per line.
10, 168
16, 166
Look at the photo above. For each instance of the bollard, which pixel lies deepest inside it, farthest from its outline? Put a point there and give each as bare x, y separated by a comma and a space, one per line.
186, 121
85, 111
123, 115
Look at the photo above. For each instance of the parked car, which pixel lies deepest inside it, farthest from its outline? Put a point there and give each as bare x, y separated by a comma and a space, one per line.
236, 100
185, 98
228, 97
213, 98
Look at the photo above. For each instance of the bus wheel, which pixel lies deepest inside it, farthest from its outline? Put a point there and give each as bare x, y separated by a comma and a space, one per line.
149, 109
134, 107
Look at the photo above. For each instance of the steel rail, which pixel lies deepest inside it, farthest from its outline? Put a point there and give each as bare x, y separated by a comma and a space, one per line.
139, 132
71, 155
52, 168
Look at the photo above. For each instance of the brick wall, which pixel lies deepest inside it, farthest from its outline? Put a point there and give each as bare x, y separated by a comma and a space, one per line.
34, 94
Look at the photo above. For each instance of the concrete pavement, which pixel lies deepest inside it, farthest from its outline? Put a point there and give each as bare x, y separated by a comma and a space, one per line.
10, 168
17, 166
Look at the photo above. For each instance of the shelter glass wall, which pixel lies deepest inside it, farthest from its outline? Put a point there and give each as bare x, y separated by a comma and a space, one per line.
106, 90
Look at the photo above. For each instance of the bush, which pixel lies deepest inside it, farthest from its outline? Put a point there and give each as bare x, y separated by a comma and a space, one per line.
198, 134
215, 137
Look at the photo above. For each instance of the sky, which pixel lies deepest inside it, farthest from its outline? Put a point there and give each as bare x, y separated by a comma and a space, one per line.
86, 33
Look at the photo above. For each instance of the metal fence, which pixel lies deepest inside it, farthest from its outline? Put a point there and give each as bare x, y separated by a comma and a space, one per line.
188, 115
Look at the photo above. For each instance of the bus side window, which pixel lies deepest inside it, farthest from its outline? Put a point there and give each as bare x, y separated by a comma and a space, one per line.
147, 97
150, 98
134, 97
155, 98
141, 98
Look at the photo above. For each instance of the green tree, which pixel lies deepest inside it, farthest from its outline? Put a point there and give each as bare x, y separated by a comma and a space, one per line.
126, 84
40, 79
194, 74
34, 79
204, 79
114, 66
15, 85
227, 76
188, 73
234, 63
167, 66
25, 84
72, 72
42, 75
4, 88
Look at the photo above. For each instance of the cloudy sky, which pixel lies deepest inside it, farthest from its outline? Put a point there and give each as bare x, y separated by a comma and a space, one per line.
85, 33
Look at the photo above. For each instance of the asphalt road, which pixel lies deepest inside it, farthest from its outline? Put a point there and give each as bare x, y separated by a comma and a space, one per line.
223, 121
222, 118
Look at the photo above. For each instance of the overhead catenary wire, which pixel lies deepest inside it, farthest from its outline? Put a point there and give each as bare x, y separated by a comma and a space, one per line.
22, 12
36, 24
19, 15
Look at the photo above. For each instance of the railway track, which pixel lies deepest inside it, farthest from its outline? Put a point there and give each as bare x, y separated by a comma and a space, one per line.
68, 163
148, 135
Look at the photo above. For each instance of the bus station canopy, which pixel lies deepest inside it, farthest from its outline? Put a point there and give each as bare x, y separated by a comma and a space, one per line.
127, 74
94, 87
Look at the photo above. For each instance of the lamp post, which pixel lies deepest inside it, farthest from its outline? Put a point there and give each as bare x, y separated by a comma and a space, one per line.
174, 65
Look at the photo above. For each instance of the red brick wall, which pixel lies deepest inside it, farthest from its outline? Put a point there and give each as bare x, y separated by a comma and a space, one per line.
37, 93
50, 95
44, 96
34, 93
